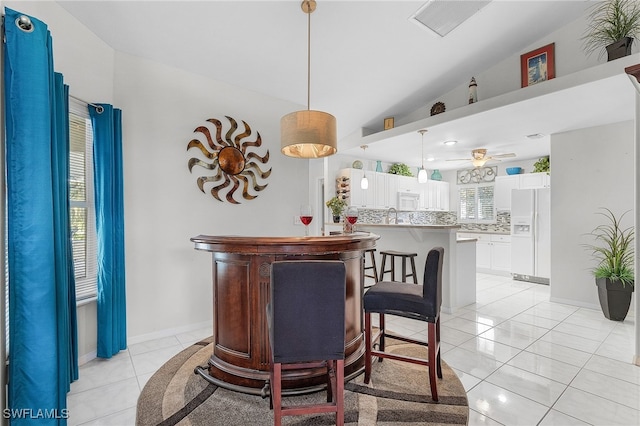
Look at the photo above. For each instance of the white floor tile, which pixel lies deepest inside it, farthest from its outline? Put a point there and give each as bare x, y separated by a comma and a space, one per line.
608, 387
618, 369
477, 419
473, 363
504, 406
529, 385
559, 353
595, 410
571, 341
556, 418
498, 351
102, 401
528, 350
467, 326
545, 367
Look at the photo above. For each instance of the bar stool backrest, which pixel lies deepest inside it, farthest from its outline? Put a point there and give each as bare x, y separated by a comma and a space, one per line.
307, 310
432, 282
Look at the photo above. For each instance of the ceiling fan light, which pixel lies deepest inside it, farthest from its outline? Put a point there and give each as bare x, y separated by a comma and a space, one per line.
422, 176
479, 162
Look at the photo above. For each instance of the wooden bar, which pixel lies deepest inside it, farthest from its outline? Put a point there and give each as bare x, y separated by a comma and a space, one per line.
241, 269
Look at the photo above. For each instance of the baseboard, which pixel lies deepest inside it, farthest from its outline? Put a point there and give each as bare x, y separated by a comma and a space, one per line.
87, 357
575, 303
132, 340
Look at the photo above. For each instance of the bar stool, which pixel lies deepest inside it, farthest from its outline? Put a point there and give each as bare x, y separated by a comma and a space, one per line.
372, 266
404, 256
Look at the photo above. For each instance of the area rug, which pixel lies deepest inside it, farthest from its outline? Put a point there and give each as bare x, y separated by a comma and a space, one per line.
398, 394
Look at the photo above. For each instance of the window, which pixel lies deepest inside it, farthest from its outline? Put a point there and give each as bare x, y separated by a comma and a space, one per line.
82, 208
475, 203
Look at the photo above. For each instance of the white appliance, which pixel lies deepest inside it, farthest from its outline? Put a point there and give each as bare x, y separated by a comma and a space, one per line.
408, 200
530, 235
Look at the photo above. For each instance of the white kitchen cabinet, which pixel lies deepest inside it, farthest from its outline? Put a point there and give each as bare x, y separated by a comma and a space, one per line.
483, 252
357, 196
436, 196
386, 190
534, 180
501, 253
502, 191
504, 185
493, 252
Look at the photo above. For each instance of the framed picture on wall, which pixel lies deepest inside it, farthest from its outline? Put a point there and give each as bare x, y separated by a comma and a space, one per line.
538, 65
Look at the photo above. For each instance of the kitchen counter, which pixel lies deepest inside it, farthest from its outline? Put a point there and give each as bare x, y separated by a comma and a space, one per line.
465, 231
408, 225
458, 287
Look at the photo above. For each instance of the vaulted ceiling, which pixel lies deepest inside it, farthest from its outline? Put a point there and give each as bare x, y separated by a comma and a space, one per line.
369, 60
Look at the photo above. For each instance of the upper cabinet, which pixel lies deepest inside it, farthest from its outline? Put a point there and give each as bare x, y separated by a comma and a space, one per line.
504, 185
383, 190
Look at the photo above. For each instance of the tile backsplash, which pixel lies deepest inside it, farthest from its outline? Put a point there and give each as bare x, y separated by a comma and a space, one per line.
502, 225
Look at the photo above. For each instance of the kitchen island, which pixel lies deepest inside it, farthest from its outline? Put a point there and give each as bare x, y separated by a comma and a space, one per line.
241, 288
458, 271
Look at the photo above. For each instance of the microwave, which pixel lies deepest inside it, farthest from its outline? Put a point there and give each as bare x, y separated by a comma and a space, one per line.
408, 201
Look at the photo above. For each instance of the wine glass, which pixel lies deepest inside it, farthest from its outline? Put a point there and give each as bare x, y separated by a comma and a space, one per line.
352, 216
306, 216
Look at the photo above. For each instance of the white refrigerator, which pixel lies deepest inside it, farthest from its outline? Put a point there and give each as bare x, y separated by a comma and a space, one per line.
530, 235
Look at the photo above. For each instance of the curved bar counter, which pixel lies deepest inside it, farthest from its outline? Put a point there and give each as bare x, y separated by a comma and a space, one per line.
241, 287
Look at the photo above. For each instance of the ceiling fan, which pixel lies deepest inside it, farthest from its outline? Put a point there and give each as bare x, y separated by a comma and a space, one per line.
479, 157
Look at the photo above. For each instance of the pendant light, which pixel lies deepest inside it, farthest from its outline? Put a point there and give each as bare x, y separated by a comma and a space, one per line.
308, 133
364, 182
422, 173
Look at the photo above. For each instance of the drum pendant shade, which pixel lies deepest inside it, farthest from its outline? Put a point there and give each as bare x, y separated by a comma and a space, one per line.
308, 134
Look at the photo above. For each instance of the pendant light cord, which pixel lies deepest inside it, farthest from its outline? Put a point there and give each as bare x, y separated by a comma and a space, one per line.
308, 60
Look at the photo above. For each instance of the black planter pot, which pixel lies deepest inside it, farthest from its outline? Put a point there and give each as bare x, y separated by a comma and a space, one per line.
615, 298
619, 48
336, 219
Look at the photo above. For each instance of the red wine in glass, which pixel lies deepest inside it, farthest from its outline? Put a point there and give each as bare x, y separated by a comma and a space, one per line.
352, 219
306, 216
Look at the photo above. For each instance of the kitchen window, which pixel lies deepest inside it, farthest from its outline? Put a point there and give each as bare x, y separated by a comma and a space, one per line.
475, 203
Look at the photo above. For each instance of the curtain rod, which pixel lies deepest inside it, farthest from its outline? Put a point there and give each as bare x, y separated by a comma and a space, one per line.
24, 23
99, 108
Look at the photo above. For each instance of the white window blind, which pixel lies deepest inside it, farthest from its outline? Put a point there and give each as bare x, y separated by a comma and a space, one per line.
475, 203
81, 201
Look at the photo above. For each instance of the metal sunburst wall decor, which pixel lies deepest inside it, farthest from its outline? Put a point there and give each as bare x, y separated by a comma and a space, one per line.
233, 162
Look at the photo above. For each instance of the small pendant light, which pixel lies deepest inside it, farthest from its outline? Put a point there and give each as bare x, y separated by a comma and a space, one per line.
422, 173
364, 182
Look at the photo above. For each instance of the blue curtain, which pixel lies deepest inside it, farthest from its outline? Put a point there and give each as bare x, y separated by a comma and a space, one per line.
107, 159
43, 345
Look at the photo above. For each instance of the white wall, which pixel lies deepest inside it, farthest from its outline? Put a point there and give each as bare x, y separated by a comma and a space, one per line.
592, 168
168, 282
504, 77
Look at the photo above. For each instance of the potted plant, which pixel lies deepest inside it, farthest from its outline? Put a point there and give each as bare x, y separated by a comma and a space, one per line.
613, 250
400, 169
337, 206
542, 165
613, 24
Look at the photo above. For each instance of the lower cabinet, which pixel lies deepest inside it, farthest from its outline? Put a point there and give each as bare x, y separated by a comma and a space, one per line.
493, 252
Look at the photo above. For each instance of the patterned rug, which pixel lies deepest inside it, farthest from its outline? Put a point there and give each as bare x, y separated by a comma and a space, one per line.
398, 394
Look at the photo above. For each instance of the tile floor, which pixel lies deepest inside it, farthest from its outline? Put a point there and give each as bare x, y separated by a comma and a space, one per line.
522, 359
